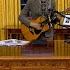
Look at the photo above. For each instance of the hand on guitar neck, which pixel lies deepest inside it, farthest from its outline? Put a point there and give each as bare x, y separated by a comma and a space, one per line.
36, 25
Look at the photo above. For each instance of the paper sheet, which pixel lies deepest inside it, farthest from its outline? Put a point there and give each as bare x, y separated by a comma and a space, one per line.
13, 42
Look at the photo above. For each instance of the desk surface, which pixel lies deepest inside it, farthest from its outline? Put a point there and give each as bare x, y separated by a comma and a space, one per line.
35, 58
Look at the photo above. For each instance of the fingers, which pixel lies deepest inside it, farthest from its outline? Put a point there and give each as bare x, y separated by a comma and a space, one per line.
36, 26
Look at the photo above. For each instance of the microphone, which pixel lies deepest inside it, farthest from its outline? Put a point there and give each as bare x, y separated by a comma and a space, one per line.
54, 11
53, 16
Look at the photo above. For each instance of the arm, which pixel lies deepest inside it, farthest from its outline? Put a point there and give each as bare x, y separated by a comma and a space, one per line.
23, 17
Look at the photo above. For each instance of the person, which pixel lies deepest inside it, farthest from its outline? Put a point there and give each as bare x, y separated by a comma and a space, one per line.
34, 9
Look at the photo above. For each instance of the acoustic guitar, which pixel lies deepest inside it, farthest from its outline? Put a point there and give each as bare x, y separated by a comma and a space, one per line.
31, 33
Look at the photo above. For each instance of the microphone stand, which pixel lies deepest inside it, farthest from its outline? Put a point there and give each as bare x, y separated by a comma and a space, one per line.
61, 14
54, 11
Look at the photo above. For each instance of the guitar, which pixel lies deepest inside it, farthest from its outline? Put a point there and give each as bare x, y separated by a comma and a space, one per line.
31, 33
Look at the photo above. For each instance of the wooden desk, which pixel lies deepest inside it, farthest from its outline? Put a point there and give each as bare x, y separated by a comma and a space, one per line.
37, 50
34, 63
61, 44
30, 49
60, 34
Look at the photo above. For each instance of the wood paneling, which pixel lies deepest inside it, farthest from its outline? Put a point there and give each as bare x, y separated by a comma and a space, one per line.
10, 51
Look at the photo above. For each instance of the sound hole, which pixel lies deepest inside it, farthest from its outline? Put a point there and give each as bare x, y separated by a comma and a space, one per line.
37, 31
32, 30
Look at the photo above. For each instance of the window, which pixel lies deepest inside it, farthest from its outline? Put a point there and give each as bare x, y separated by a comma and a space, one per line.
23, 3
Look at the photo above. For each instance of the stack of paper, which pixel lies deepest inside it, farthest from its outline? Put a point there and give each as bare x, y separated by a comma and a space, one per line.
13, 42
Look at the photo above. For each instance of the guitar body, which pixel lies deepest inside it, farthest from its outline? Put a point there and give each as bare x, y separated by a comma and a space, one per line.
31, 36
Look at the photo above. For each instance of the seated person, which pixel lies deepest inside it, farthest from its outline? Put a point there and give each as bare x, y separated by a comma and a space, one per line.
34, 9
